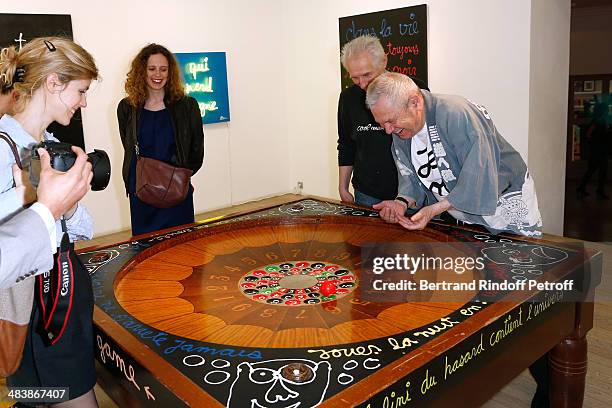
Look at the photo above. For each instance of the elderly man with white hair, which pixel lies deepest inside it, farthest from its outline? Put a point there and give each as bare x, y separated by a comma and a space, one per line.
450, 157
364, 150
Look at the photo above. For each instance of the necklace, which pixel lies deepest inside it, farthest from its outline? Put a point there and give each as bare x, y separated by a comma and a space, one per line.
155, 105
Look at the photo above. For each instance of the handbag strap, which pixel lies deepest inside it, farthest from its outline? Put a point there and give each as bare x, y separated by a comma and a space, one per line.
134, 131
5, 136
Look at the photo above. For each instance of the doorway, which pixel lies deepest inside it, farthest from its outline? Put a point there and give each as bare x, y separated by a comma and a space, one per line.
588, 200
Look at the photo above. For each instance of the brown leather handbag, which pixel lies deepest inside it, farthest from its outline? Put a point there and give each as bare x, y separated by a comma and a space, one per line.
15, 309
160, 184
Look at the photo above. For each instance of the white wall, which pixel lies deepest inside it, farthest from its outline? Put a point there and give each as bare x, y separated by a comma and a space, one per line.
242, 156
284, 82
477, 48
549, 75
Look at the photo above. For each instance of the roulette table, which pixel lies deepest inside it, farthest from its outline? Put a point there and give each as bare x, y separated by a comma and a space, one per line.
282, 307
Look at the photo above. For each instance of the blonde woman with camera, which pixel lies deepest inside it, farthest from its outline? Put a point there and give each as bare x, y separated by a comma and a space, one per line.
50, 78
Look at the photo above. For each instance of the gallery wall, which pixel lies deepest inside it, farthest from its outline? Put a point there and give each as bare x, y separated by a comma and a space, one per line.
245, 159
284, 82
548, 84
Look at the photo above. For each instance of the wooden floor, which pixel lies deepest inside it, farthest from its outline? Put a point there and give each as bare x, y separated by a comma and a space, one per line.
598, 393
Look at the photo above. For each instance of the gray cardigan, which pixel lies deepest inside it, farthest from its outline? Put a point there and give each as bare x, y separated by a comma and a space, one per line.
487, 179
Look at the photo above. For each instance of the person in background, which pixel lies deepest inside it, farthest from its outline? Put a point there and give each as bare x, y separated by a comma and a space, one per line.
451, 158
598, 141
167, 126
364, 149
50, 78
7, 97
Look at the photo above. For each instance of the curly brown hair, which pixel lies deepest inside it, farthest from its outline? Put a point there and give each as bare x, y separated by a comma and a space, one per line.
136, 85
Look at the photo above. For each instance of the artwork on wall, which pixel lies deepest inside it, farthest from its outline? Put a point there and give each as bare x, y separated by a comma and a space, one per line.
205, 76
17, 30
402, 33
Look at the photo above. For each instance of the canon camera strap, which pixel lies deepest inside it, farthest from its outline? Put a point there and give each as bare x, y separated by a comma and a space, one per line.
55, 292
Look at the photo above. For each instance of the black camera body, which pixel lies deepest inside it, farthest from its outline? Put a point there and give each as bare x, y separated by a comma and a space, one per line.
63, 158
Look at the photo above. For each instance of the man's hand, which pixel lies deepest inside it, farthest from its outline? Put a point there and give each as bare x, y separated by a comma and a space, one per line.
346, 196
23, 188
60, 191
344, 179
391, 211
420, 220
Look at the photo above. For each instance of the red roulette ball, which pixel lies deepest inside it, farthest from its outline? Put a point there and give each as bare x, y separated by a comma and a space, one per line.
328, 288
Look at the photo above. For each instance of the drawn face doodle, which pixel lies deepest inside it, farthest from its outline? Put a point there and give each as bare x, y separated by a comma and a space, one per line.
524, 255
266, 384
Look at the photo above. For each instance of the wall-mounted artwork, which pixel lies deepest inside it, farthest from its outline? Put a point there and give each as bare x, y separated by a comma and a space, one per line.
402, 33
205, 76
17, 30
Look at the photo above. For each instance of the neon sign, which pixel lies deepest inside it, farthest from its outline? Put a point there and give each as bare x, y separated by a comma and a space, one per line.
205, 76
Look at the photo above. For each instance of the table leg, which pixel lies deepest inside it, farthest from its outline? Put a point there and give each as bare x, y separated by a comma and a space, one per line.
568, 367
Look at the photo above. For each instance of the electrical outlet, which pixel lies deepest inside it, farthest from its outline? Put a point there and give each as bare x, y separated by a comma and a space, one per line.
298, 187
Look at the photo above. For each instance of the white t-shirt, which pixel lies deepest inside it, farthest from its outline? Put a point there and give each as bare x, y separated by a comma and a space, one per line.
426, 166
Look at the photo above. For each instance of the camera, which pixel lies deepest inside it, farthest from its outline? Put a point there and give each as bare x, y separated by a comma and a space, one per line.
63, 158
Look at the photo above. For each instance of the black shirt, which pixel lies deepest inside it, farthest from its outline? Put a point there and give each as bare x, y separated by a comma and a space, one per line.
363, 144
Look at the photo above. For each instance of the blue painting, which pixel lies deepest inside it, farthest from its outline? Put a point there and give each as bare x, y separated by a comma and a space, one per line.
205, 76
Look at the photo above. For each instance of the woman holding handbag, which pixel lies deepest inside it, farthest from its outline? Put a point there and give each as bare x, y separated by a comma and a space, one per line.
163, 126
50, 78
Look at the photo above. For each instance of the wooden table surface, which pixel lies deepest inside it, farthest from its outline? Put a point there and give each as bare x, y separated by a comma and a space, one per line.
177, 321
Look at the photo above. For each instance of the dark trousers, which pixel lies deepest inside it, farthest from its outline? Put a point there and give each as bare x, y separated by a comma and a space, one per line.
598, 160
539, 371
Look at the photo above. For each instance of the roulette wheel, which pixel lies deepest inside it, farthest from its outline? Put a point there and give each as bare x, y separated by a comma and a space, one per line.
279, 307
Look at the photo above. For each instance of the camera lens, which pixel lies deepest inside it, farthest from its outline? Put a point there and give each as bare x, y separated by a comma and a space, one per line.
62, 158
101, 169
